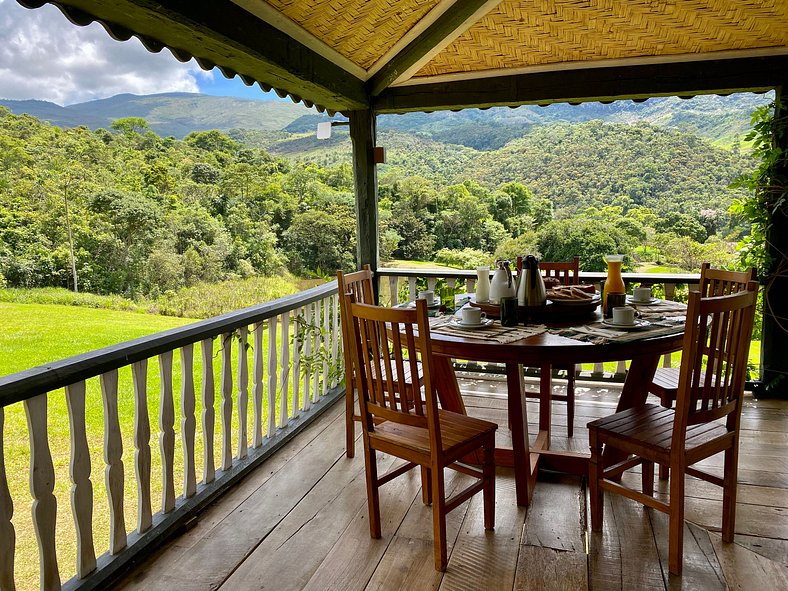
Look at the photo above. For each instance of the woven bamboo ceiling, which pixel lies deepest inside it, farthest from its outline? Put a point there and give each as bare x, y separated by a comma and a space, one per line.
401, 55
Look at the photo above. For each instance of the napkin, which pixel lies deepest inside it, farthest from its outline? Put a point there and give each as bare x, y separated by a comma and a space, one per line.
494, 332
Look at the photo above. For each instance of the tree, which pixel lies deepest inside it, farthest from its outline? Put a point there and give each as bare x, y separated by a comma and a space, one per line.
591, 240
321, 241
130, 125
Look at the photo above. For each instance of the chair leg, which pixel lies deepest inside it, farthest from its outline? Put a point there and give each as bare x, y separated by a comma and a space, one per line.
426, 485
594, 476
488, 492
729, 493
350, 423
676, 528
373, 496
648, 478
439, 519
570, 400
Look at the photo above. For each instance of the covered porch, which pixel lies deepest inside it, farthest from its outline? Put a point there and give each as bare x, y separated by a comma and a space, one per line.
274, 503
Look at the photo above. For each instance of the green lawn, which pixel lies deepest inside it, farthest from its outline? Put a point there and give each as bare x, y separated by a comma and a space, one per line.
34, 334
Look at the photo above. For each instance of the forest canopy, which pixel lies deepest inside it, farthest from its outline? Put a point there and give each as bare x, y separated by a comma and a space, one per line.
148, 214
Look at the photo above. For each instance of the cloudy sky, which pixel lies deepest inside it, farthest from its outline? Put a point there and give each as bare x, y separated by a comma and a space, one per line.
43, 56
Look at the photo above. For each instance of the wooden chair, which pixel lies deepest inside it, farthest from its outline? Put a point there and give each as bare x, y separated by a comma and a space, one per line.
384, 341
665, 383
717, 336
359, 284
569, 274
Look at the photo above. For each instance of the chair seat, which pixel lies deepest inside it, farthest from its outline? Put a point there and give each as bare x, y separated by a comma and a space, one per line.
666, 383
457, 432
647, 431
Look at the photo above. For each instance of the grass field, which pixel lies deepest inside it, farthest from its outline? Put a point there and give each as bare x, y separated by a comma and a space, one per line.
35, 334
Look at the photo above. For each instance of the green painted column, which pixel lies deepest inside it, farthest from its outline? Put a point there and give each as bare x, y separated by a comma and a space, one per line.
362, 134
774, 340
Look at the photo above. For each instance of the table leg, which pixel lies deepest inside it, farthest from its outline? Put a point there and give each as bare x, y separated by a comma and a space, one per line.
518, 418
545, 402
446, 384
634, 393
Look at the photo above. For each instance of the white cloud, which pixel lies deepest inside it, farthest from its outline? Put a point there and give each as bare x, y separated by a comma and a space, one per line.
44, 56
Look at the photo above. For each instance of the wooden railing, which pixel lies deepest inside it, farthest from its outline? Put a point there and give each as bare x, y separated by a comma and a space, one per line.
298, 377
398, 285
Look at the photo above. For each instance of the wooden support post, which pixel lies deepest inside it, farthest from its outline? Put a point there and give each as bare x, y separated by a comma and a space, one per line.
774, 337
362, 134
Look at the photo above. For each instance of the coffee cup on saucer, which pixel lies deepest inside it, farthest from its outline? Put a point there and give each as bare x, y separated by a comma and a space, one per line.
472, 316
624, 316
428, 295
641, 295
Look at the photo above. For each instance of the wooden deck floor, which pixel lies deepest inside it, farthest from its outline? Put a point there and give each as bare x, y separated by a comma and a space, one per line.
300, 522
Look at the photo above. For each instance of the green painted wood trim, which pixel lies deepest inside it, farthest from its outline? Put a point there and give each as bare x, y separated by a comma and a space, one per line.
223, 34
756, 74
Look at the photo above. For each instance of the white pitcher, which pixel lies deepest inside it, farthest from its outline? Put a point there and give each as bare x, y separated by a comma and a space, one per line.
502, 285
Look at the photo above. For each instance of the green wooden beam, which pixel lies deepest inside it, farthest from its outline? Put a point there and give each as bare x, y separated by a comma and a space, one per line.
774, 336
362, 134
443, 28
220, 33
590, 84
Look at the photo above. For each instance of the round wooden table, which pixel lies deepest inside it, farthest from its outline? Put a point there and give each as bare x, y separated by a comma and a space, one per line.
539, 351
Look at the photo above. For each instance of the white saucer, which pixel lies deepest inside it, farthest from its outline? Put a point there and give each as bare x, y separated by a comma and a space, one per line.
635, 325
434, 304
483, 324
634, 302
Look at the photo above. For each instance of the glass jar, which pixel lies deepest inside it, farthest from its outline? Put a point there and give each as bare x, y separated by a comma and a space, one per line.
614, 282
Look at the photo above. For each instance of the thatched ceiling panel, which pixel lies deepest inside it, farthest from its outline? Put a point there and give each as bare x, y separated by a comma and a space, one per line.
361, 30
519, 34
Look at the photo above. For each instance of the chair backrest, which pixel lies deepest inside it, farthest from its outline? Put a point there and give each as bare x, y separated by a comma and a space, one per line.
714, 358
721, 282
359, 284
384, 341
568, 273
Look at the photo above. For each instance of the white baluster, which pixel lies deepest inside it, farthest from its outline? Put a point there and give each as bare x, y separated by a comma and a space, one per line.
243, 393
7, 533
621, 367
431, 283
42, 483
393, 291
599, 368
335, 338
317, 342
326, 344
470, 285
308, 354
272, 359
296, 364
208, 413
188, 421
81, 486
257, 386
113, 457
167, 433
226, 392
142, 453
412, 289
284, 375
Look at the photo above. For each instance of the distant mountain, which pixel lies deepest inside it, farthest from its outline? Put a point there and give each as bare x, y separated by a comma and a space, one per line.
176, 114
720, 120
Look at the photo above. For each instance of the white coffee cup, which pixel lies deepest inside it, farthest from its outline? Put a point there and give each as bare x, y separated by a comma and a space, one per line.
641, 294
624, 315
428, 295
472, 316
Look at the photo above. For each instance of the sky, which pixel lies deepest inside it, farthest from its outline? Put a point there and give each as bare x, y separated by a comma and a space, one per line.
44, 56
